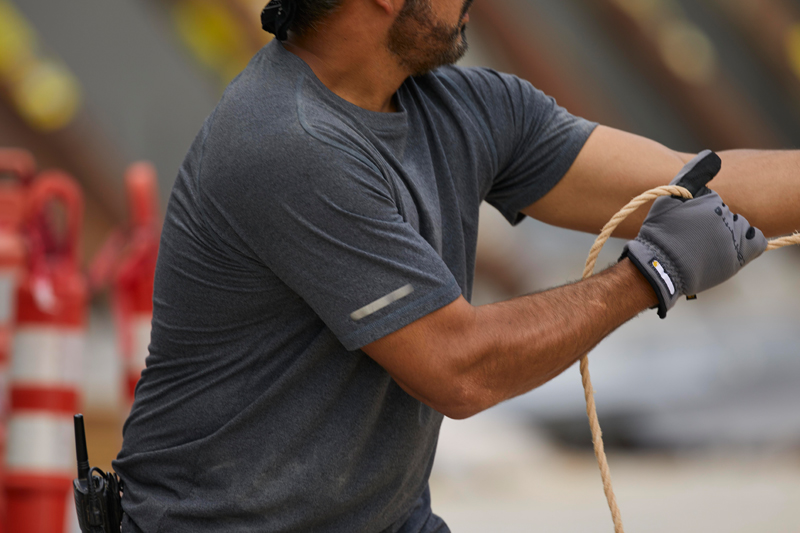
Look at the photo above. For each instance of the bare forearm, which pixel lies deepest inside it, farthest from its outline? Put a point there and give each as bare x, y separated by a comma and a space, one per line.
764, 186
462, 359
527, 341
761, 185
615, 166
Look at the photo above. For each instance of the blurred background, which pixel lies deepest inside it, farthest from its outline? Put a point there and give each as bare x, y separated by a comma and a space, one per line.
701, 412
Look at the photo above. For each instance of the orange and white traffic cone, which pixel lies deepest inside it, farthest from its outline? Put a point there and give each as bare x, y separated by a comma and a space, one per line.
134, 279
128, 262
20, 167
46, 362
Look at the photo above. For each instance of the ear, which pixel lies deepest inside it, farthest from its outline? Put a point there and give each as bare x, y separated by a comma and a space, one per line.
390, 7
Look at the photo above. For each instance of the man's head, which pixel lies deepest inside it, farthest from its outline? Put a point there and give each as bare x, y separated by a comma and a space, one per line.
421, 38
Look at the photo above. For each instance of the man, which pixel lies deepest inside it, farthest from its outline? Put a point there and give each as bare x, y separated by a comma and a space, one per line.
312, 322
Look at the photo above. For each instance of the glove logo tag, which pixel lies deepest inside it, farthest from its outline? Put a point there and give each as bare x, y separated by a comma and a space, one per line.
664, 276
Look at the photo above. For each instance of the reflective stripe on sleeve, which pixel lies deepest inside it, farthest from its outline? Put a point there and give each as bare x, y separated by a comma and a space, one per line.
382, 302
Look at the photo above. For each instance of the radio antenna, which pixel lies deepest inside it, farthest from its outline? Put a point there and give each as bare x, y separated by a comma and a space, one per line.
80, 449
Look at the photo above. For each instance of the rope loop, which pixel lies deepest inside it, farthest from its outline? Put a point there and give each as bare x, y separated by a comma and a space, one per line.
591, 261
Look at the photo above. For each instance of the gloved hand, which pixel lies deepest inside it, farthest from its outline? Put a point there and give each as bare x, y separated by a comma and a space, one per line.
687, 246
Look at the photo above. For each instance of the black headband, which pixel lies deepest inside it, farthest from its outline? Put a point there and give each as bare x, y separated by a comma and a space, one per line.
278, 16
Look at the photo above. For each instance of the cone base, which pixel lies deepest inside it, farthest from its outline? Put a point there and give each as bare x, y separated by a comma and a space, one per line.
36, 504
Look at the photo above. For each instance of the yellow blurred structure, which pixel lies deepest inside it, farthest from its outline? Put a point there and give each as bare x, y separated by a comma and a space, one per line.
214, 32
684, 47
41, 88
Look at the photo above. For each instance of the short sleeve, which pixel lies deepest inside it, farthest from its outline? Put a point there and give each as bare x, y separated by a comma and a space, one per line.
333, 234
535, 140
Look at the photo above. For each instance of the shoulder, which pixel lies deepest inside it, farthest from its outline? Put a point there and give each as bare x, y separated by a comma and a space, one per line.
292, 179
260, 101
271, 128
288, 159
493, 99
280, 165
479, 84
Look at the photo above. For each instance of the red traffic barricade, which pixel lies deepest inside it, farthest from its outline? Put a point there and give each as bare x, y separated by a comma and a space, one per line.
128, 262
17, 168
46, 365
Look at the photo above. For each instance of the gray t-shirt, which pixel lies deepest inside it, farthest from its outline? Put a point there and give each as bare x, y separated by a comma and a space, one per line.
300, 228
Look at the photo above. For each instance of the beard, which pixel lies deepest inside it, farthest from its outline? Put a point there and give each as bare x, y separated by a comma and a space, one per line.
422, 44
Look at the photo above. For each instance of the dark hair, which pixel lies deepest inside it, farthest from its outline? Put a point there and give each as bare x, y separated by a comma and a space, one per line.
311, 12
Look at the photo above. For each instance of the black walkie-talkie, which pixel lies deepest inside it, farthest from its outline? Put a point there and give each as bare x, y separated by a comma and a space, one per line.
97, 495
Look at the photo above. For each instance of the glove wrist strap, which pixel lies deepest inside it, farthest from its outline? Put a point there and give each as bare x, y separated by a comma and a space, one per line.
662, 303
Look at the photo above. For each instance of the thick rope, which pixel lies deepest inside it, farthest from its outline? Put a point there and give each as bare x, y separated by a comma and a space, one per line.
591, 410
783, 241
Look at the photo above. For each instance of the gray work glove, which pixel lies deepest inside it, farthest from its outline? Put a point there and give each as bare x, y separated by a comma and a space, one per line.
688, 246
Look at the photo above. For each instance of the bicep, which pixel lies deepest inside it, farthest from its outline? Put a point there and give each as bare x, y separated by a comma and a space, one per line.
612, 168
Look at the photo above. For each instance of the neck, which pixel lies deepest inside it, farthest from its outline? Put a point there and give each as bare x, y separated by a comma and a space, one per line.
350, 60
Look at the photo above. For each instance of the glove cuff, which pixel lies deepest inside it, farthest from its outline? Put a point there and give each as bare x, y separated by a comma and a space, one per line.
658, 272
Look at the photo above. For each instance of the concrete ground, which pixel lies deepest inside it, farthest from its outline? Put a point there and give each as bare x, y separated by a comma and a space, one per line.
493, 473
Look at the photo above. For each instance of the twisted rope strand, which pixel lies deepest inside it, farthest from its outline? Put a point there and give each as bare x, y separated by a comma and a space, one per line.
624, 213
783, 241
591, 261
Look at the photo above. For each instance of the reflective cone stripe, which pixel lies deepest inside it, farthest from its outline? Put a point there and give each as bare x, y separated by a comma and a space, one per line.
47, 355
45, 449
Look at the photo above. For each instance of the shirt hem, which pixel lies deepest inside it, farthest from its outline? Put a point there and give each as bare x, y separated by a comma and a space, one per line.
540, 188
